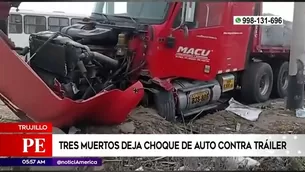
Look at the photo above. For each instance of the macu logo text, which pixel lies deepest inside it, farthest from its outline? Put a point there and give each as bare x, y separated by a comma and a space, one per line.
193, 53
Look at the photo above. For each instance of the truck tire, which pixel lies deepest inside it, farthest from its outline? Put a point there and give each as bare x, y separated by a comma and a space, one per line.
165, 105
280, 79
257, 81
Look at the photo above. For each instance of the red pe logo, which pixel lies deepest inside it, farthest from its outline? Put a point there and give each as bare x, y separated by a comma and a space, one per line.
24, 142
37, 144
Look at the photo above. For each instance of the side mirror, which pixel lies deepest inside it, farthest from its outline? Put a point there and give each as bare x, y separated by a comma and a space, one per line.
170, 40
187, 17
188, 12
185, 29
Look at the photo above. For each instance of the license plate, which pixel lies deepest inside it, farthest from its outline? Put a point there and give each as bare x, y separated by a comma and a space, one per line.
228, 84
200, 97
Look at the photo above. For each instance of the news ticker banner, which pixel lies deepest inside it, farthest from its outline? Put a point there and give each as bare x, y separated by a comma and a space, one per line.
40, 142
50, 161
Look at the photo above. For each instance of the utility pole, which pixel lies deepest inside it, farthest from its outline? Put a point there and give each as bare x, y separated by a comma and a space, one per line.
295, 95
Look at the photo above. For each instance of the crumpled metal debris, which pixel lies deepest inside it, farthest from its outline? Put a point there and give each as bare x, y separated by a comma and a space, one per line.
244, 111
300, 113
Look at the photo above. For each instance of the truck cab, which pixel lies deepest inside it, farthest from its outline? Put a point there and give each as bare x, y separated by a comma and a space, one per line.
195, 53
208, 46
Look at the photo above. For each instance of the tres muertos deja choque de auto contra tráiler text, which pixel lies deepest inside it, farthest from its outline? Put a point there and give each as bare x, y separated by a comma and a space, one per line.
176, 145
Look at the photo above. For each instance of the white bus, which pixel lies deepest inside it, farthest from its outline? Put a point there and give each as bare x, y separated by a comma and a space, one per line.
21, 23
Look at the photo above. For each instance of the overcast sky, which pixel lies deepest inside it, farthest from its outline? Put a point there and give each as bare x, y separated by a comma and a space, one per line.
285, 9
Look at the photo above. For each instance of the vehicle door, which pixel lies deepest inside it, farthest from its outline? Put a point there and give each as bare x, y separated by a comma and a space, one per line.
196, 46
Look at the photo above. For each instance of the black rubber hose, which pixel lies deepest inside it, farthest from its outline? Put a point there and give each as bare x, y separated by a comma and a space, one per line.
82, 67
105, 59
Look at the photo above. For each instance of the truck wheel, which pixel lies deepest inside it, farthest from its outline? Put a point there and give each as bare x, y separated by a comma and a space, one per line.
257, 83
165, 105
280, 79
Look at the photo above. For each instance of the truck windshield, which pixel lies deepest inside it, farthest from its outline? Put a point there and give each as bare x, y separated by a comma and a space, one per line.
142, 11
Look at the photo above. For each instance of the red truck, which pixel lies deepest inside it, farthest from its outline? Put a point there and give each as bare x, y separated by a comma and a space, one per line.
187, 55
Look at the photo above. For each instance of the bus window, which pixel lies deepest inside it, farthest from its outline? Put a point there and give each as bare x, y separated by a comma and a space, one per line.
15, 23
56, 23
74, 21
33, 24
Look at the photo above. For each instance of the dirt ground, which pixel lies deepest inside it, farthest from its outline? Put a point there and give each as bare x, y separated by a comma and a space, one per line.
273, 120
